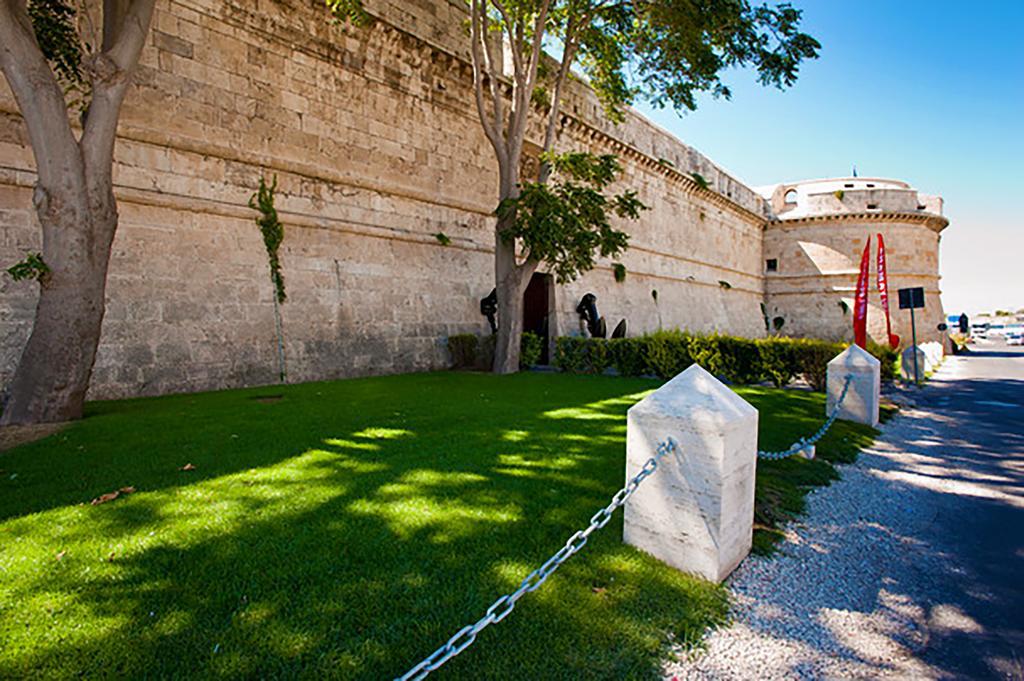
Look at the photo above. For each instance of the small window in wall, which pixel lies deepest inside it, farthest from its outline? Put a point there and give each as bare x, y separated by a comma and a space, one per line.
872, 206
791, 197
772, 264
871, 186
848, 185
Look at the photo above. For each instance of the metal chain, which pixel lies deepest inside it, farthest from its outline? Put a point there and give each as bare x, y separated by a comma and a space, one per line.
805, 442
502, 607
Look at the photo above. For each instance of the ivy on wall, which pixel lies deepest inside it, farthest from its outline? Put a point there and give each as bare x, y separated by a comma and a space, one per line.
32, 267
272, 230
56, 26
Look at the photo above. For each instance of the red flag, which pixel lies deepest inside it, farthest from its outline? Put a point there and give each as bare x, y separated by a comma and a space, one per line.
883, 292
860, 304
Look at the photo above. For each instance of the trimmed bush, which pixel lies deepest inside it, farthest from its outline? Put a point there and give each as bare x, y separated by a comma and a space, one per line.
777, 360
463, 349
485, 352
732, 358
470, 351
888, 357
811, 358
529, 350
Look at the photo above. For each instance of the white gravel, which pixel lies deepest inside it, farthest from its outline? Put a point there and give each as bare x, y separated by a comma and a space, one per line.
850, 595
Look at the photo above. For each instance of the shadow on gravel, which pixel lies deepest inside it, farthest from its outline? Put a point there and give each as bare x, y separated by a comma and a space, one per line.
944, 531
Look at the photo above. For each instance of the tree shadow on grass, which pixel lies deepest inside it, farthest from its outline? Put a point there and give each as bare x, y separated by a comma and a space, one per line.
144, 443
356, 553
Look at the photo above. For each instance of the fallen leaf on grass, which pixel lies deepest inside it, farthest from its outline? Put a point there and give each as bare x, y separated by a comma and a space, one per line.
110, 496
60, 556
187, 467
598, 589
104, 498
110, 558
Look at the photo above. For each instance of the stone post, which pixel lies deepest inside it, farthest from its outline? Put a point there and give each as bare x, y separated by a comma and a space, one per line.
864, 393
696, 512
907, 362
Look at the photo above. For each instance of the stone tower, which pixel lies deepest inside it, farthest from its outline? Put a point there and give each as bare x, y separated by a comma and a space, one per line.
813, 245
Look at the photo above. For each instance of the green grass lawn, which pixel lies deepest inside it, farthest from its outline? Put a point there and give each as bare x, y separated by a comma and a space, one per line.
349, 528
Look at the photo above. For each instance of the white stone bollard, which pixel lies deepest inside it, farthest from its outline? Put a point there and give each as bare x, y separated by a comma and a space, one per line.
865, 391
696, 512
907, 362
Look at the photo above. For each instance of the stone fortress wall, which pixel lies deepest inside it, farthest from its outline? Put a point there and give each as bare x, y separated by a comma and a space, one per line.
374, 140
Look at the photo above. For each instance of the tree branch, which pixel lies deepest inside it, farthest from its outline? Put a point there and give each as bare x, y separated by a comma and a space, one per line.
111, 72
493, 70
572, 34
515, 39
524, 84
479, 74
114, 12
38, 94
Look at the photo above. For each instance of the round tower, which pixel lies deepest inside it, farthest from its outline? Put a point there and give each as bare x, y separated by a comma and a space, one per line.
813, 245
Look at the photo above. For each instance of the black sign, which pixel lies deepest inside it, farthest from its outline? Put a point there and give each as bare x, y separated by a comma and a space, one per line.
911, 298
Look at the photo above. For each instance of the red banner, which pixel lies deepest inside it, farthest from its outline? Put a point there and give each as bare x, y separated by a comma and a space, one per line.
860, 304
883, 292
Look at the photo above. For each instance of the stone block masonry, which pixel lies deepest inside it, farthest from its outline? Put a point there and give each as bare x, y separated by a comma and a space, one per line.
374, 139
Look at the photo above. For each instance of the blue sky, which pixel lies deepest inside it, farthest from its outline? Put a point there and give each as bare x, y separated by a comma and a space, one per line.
931, 92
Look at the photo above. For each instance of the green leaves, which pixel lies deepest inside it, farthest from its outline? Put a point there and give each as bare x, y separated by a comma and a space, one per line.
32, 267
566, 221
681, 46
54, 24
348, 10
272, 230
670, 50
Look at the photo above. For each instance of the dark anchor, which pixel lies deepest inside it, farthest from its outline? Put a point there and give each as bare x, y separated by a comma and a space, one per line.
489, 308
587, 310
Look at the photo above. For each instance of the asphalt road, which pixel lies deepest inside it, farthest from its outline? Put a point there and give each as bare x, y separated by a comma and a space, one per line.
979, 511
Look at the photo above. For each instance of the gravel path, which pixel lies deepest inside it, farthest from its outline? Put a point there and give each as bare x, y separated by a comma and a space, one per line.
865, 586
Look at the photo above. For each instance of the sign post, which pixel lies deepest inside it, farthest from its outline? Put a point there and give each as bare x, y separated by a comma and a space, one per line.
910, 299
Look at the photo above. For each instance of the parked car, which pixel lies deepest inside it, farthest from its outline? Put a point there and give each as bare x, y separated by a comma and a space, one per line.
1013, 338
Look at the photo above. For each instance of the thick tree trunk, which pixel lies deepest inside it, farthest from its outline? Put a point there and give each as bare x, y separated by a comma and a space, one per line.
510, 309
53, 375
74, 201
511, 281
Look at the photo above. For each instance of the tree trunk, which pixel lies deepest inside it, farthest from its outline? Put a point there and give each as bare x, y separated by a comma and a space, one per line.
511, 281
510, 308
74, 200
78, 223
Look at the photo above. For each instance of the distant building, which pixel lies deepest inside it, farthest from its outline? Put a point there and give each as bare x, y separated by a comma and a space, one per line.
813, 246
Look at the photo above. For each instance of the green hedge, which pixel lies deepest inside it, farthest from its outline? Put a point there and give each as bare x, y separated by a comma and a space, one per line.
470, 351
739, 360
